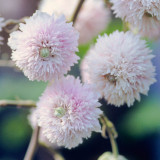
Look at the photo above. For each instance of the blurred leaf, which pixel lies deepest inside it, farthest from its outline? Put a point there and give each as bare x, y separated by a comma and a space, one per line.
14, 131
115, 24
82, 50
142, 120
22, 88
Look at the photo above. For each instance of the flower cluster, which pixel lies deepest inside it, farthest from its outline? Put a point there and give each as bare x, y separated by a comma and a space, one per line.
141, 14
68, 112
120, 67
45, 46
92, 19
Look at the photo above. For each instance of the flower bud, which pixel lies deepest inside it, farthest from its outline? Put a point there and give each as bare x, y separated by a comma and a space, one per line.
110, 156
59, 112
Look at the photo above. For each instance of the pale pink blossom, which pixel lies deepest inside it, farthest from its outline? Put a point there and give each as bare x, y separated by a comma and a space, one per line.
1, 26
33, 122
68, 112
120, 67
92, 19
45, 46
143, 15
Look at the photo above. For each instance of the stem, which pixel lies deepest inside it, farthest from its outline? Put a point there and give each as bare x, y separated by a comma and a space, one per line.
18, 103
76, 12
7, 63
33, 144
108, 126
14, 22
113, 144
125, 26
108, 3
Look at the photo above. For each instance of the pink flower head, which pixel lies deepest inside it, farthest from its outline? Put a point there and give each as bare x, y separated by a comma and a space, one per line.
120, 67
68, 112
33, 121
141, 14
92, 19
45, 47
1, 25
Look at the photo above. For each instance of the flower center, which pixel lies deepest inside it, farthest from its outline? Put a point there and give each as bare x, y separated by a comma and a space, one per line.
59, 112
111, 78
44, 52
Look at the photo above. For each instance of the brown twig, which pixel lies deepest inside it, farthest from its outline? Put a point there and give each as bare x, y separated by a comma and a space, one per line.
107, 126
33, 144
108, 3
7, 63
76, 12
18, 103
14, 22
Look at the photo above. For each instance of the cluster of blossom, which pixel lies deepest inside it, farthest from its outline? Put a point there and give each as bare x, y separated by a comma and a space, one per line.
44, 49
1, 25
118, 67
93, 18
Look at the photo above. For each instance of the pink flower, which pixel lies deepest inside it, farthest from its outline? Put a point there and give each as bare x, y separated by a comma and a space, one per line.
33, 121
120, 67
45, 47
92, 19
1, 26
143, 15
68, 112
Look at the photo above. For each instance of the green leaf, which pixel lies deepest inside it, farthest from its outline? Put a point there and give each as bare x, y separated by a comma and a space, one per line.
143, 120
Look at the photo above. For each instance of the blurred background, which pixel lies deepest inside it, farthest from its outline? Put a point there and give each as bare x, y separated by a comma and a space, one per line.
138, 126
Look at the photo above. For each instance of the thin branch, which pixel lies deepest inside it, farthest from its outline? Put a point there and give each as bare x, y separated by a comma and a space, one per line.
33, 144
7, 63
76, 12
108, 126
108, 3
14, 22
18, 103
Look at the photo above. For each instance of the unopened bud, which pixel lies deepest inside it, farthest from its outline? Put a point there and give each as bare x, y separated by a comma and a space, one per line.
110, 156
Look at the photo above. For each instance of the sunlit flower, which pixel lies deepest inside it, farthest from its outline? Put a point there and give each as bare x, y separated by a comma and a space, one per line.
144, 15
92, 19
120, 67
45, 47
68, 112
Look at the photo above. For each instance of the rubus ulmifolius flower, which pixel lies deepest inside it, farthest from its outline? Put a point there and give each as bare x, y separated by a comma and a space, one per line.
120, 67
143, 15
92, 19
44, 47
68, 111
